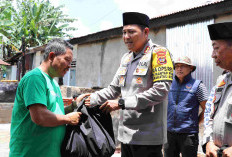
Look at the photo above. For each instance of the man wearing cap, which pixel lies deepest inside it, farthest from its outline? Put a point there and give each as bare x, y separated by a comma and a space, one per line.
185, 96
217, 137
143, 79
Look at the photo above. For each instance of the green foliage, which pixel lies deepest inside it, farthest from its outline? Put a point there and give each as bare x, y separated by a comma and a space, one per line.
3, 68
35, 20
5, 20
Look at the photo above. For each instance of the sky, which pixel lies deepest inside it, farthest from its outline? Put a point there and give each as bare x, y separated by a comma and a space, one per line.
98, 15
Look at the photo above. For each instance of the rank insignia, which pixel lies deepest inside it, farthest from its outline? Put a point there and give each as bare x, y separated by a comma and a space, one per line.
122, 71
128, 59
146, 49
222, 83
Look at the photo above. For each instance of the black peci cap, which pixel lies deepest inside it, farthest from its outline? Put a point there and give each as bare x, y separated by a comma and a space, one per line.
220, 31
135, 18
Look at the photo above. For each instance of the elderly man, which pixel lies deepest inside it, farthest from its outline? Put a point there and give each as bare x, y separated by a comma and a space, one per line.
38, 120
185, 97
218, 130
143, 79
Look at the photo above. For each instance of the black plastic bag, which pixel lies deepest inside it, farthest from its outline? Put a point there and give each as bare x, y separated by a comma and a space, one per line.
93, 137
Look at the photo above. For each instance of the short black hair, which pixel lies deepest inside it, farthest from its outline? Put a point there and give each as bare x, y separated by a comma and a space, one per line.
58, 46
142, 27
229, 42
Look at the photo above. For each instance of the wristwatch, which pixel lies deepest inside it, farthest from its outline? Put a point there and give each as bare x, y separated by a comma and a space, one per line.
121, 103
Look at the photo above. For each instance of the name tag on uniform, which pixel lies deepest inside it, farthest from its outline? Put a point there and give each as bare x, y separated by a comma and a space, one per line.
140, 71
143, 65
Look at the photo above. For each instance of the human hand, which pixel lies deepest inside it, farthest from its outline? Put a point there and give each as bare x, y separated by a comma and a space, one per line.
109, 106
79, 99
227, 152
87, 101
74, 117
211, 149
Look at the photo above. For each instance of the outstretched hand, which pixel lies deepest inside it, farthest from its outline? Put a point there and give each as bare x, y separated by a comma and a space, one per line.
87, 101
79, 99
109, 106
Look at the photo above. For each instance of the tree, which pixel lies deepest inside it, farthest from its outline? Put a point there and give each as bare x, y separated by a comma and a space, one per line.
5, 19
6, 24
35, 20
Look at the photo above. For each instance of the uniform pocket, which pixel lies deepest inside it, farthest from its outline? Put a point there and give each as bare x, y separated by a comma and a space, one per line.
139, 81
140, 77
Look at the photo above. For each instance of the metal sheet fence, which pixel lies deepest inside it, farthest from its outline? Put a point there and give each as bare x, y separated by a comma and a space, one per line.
193, 40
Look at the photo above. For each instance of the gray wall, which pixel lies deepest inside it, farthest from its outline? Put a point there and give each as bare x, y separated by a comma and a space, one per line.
101, 60
158, 36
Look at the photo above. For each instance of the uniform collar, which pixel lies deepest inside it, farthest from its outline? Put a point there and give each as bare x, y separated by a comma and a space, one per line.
141, 53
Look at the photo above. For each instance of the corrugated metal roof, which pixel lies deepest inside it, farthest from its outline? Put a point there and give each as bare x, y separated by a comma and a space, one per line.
191, 8
203, 11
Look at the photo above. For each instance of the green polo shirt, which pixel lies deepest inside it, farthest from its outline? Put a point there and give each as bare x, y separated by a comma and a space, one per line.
27, 138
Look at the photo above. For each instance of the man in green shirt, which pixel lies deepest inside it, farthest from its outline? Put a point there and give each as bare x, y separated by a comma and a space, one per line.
38, 117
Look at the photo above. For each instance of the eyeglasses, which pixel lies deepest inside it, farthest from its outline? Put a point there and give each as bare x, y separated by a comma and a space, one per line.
181, 66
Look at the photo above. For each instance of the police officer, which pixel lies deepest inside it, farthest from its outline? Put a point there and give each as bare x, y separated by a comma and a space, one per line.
143, 79
185, 97
218, 130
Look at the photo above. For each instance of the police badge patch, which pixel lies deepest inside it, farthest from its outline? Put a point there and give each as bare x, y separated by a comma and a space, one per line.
139, 80
161, 57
